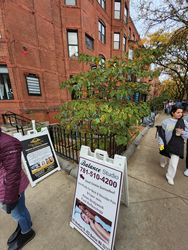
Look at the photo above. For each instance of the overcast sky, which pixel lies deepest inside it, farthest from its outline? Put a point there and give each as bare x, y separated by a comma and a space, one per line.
134, 15
134, 11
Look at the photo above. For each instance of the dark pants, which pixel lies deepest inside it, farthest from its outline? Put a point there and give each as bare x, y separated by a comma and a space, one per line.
187, 155
22, 215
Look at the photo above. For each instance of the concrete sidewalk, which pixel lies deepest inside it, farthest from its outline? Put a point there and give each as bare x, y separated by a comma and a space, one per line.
156, 218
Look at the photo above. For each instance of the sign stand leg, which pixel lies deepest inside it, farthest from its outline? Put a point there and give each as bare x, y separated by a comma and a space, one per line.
125, 190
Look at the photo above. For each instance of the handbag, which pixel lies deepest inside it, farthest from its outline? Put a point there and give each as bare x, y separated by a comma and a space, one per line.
161, 133
176, 144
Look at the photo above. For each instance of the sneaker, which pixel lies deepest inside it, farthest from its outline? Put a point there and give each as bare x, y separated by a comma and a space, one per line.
22, 240
186, 172
14, 235
163, 162
170, 181
163, 165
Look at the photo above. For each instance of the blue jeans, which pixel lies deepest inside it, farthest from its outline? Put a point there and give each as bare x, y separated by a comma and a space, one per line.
21, 214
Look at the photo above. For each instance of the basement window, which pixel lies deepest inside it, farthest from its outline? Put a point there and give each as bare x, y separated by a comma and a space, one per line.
33, 85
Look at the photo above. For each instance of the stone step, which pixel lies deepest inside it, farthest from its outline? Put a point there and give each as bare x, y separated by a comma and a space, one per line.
7, 128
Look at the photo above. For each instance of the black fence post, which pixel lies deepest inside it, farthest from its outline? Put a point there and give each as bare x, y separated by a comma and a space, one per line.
68, 144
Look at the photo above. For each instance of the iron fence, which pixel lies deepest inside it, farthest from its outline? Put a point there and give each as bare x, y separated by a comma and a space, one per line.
68, 144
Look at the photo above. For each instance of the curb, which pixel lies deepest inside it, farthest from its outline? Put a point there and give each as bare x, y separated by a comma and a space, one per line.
71, 167
132, 147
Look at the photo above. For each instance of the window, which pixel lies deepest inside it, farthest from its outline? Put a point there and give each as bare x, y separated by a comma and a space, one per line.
116, 40
102, 61
129, 35
72, 43
136, 97
124, 42
73, 94
89, 41
102, 3
70, 2
117, 9
134, 37
5, 85
125, 14
102, 58
102, 31
130, 54
33, 84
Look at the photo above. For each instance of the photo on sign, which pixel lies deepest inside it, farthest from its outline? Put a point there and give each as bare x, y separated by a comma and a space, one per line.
39, 156
43, 164
40, 159
91, 222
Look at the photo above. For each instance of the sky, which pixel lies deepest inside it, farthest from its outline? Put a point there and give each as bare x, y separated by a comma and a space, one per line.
134, 11
134, 15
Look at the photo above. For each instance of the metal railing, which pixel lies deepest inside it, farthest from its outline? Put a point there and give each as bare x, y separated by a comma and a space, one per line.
15, 120
21, 123
68, 144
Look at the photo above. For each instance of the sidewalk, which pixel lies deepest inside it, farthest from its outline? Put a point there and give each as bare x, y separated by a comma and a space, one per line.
156, 218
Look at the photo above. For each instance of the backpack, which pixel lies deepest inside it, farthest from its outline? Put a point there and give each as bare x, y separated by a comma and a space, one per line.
161, 133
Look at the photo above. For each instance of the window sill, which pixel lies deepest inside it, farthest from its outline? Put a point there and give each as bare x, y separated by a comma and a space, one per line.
71, 6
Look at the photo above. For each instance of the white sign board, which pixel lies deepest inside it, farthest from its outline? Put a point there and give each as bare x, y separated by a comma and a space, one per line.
97, 197
38, 154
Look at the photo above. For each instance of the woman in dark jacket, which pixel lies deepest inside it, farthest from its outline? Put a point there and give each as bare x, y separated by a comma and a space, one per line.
13, 183
175, 132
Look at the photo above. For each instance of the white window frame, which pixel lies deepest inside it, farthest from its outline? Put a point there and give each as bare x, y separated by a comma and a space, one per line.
72, 47
117, 9
116, 40
126, 12
5, 84
102, 3
130, 54
124, 42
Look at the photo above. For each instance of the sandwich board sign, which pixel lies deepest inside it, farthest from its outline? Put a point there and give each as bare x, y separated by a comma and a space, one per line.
97, 196
38, 155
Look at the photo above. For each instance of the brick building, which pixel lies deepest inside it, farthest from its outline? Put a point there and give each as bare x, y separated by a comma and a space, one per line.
40, 42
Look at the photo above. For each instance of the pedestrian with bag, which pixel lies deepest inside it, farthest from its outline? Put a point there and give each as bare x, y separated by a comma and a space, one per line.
186, 169
171, 138
13, 183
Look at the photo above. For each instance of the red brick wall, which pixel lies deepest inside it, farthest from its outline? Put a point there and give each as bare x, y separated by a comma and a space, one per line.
41, 27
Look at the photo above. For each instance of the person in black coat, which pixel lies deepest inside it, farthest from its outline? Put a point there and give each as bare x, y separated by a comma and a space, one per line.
186, 170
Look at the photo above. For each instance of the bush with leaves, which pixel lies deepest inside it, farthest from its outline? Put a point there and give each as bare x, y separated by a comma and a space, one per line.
104, 99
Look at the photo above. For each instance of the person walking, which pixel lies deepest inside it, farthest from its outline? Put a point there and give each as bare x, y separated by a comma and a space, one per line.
13, 183
186, 168
175, 132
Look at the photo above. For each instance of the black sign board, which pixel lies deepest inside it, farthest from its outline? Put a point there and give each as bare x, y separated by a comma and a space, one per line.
39, 156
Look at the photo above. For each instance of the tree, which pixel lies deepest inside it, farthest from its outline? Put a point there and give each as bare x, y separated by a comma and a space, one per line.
104, 101
169, 44
171, 55
174, 88
165, 14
